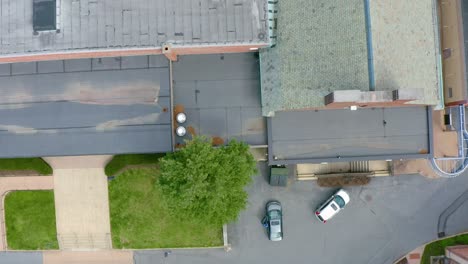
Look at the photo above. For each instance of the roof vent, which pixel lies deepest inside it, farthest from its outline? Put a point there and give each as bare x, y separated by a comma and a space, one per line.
44, 15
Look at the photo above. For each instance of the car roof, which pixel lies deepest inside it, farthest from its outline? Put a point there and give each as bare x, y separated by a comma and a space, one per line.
275, 229
328, 212
343, 194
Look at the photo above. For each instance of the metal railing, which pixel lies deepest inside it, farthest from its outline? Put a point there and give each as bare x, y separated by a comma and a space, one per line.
84, 241
450, 167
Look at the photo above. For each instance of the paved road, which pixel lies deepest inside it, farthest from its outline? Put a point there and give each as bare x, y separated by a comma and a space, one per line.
384, 220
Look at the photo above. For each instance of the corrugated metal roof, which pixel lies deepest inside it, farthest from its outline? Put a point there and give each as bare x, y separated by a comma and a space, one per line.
91, 24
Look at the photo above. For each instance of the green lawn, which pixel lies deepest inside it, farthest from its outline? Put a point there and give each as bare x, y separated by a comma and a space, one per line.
437, 248
35, 164
30, 220
139, 220
121, 161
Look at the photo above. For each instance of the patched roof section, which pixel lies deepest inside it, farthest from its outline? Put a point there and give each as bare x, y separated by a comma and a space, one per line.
321, 48
103, 24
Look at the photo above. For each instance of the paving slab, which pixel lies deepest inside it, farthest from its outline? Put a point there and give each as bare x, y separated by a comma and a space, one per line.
80, 257
445, 145
81, 202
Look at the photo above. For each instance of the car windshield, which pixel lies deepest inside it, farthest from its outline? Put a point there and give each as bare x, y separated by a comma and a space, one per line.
275, 223
275, 214
276, 235
339, 201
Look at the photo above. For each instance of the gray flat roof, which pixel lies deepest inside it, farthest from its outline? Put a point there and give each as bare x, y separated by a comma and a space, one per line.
108, 24
221, 96
341, 135
84, 107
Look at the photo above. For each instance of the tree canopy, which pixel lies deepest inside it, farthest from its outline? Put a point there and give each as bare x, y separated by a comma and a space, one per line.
207, 183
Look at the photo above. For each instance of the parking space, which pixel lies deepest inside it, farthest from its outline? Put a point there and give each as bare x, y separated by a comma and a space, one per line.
304, 236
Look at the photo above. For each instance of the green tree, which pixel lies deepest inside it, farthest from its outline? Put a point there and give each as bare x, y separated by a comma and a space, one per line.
207, 183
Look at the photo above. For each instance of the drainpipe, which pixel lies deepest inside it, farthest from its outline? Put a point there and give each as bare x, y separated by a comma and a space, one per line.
438, 50
171, 105
370, 51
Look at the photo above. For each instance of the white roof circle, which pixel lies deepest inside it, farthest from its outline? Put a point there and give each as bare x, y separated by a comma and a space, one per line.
181, 118
181, 131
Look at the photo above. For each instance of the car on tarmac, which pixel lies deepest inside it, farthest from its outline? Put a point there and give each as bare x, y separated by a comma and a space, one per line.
332, 206
273, 220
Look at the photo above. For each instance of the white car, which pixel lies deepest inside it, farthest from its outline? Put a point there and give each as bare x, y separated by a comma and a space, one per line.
332, 206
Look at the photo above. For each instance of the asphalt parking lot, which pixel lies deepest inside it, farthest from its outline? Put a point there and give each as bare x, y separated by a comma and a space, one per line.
383, 221
305, 238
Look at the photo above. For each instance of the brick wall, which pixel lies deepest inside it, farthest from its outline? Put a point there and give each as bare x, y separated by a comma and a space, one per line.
171, 52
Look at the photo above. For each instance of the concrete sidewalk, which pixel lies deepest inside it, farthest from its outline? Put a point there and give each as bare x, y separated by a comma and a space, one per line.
8, 184
445, 145
81, 257
81, 202
414, 257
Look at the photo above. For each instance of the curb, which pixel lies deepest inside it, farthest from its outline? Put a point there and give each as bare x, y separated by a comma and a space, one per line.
160, 249
227, 246
3, 220
424, 245
452, 208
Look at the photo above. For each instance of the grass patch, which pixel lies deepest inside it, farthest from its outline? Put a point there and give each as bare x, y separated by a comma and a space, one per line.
30, 220
119, 162
35, 164
140, 220
437, 248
